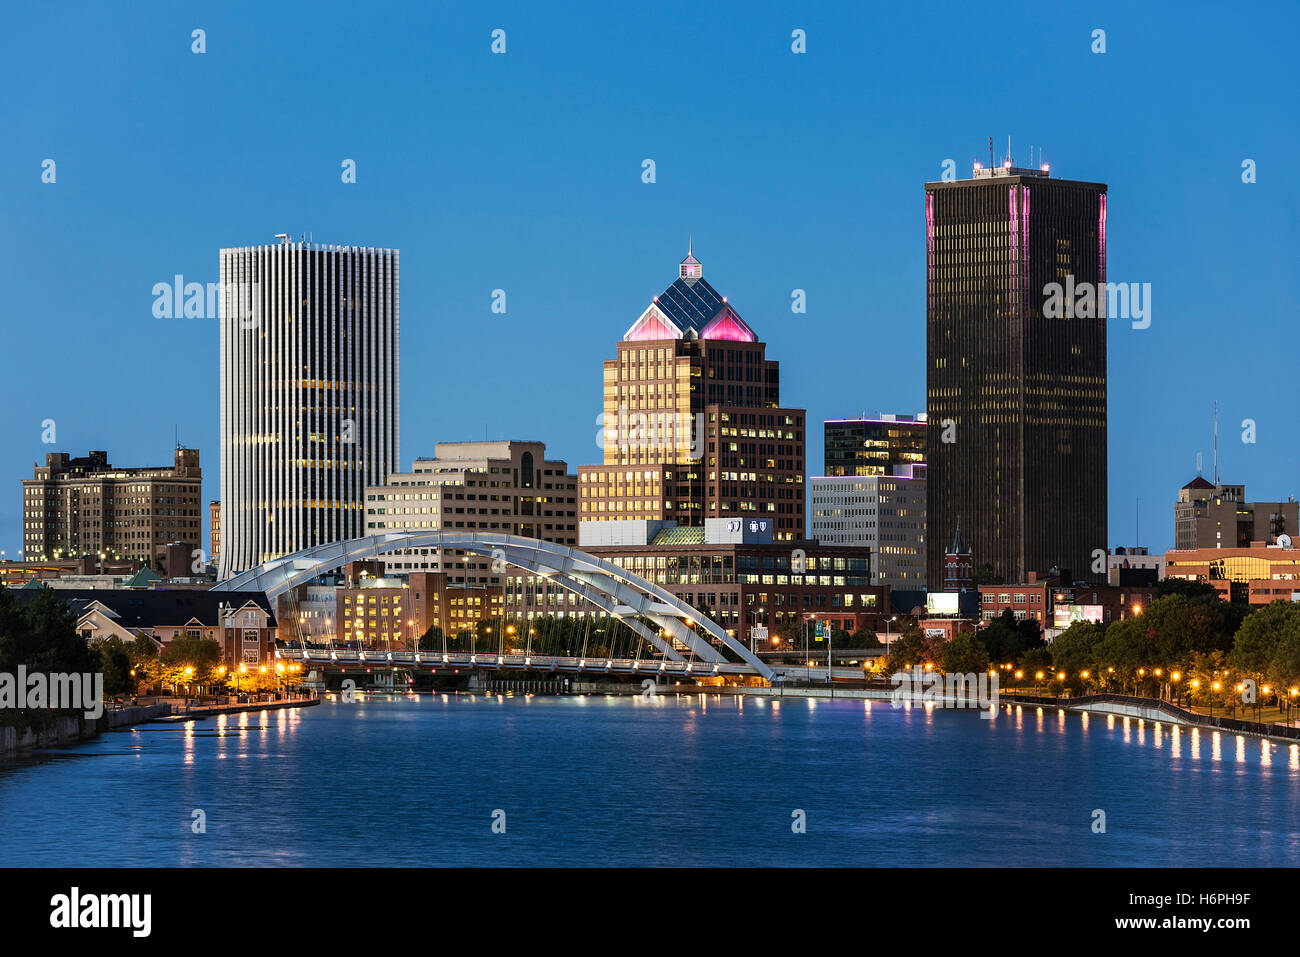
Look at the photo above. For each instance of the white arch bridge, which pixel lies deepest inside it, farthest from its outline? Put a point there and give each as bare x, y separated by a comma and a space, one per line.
614, 590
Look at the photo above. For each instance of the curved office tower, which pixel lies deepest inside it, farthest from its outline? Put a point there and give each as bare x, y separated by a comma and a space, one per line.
309, 394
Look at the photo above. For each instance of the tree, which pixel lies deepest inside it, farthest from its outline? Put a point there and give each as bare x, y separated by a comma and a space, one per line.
1206, 670
1075, 649
986, 574
143, 653
1284, 663
42, 635
190, 661
1176, 628
963, 654
864, 638
1005, 639
115, 664
1122, 652
1259, 638
1035, 660
431, 639
1187, 588
906, 650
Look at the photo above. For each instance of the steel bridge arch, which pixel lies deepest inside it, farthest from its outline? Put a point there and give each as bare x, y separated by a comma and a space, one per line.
611, 588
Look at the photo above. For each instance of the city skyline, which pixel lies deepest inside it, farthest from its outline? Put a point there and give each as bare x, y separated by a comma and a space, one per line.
507, 228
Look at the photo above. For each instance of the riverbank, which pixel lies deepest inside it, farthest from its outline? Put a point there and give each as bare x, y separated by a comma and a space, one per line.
64, 729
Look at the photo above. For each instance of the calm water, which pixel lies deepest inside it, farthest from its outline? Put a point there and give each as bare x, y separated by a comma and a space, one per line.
666, 781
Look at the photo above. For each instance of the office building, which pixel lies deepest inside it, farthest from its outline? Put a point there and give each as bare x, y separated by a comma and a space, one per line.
873, 446
507, 487
884, 513
1207, 515
693, 427
873, 494
732, 570
1257, 573
1015, 386
84, 506
309, 394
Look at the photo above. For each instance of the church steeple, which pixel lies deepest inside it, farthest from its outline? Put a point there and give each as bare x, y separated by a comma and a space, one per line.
958, 565
690, 269
958, 545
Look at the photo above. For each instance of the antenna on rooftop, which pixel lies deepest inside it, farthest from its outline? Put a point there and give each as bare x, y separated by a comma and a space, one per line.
1216, 443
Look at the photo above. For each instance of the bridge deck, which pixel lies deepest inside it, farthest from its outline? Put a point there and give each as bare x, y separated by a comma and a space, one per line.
434, 660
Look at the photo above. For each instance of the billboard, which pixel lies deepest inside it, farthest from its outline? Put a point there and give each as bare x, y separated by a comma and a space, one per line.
1065, 615
942, 603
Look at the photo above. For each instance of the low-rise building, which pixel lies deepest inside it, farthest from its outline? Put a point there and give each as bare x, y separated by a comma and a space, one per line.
731, 570
1257, 573
1055, 604
242, 623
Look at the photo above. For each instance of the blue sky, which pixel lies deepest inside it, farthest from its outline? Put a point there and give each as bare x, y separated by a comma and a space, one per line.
522, 171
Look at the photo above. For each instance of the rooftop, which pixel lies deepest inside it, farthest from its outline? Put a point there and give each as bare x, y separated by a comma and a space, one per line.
690, 308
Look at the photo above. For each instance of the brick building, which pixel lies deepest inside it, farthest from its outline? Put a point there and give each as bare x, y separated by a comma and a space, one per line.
85, 506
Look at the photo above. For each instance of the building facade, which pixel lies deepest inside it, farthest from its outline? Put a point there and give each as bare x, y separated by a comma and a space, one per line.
509, 487
1055, 606
1016, 382
83, 506
214, 529
731, 570
1207, 515
692, 425
1257, 573
884, 513
874, 446
309, 394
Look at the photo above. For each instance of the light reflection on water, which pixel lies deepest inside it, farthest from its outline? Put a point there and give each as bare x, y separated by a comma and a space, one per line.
692, 780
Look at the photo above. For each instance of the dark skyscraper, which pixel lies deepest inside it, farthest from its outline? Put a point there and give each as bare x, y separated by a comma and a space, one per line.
1016, 401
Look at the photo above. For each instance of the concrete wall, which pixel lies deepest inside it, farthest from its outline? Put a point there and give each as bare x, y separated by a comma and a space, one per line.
69, 729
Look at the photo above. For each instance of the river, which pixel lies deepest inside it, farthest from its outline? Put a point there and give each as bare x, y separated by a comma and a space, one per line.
702, 780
